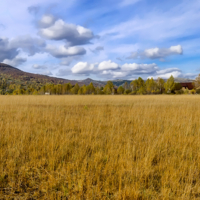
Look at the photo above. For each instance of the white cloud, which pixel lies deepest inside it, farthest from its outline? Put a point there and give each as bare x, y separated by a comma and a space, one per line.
10, 49
46, 21
125, 71
140, 68
108, 65
6, 51
28, 44
82, 68
63, 51
162, 53
168, 70
114, 74
158, 53
166, 73
73, 34
15, 61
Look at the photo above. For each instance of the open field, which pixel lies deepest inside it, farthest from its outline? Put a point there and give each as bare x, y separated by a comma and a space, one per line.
100, 147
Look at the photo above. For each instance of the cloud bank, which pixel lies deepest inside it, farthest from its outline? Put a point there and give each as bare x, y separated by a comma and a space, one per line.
157, 53
112, 70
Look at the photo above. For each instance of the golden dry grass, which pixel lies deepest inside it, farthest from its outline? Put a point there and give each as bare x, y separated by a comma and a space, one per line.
100, 147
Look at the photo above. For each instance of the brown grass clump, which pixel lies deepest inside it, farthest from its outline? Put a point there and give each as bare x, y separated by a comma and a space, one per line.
100, 147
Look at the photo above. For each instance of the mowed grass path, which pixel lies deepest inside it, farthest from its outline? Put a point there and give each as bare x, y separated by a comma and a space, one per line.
100, 147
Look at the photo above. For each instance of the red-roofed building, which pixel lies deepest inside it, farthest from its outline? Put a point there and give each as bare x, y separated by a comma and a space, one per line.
188, 86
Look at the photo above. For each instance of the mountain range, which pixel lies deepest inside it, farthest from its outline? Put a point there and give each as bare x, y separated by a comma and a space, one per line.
14, 73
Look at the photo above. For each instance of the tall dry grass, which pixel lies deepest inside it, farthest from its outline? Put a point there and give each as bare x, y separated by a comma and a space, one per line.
99, 147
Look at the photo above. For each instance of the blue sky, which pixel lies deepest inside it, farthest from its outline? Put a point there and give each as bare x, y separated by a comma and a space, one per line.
105, 39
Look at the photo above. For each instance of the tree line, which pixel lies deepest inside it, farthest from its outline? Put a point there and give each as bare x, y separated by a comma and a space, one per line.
137, 86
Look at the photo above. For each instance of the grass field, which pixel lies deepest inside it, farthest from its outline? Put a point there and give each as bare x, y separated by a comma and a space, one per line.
100, 147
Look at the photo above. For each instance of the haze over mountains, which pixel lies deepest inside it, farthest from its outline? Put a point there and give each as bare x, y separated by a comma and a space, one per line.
14, 73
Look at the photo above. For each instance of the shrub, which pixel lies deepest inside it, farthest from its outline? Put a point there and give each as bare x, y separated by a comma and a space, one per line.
133, 93
186, 91
193, 91
179, 91
198, 91
127, 91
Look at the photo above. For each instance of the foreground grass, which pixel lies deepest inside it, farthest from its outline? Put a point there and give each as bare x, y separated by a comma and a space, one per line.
99, 147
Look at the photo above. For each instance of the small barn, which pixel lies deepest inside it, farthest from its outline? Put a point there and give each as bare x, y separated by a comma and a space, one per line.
187, 85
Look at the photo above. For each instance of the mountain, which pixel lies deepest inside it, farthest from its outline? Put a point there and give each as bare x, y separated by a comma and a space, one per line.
15, 74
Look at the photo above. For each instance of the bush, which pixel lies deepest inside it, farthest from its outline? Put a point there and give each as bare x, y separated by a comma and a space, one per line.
127, 91
198, 91
179, 91
193, 91
133, 93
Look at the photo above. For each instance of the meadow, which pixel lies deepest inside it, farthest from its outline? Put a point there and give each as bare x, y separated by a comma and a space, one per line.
100, 147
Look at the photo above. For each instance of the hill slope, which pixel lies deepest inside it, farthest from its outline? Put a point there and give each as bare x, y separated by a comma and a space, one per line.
21, 76
14, 73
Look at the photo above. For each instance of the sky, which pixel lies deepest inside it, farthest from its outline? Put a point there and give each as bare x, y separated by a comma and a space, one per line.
102, 40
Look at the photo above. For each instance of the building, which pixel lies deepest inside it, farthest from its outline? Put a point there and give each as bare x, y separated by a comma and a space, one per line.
187, 85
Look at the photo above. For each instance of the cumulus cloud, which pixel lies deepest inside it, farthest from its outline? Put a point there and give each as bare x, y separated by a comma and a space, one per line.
10, 49
7, 51
46, 21
39, 66
108, 65
114, 74
34, 10
73, 34
15, 61
83, 68
111, 70
168, 70
162, 53
140, 68
28, 44
157, 53
131, 69
166, 73
63, 51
